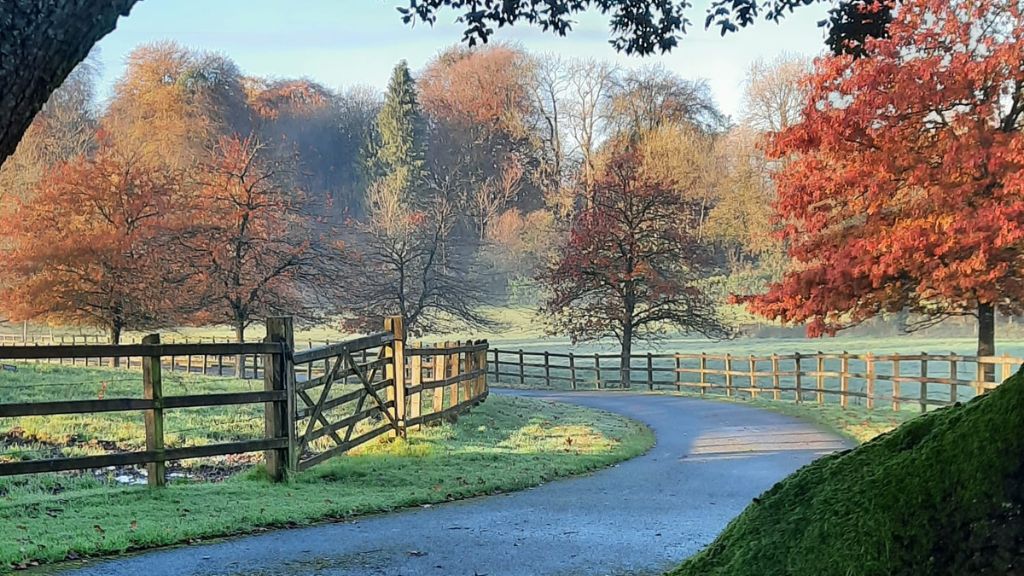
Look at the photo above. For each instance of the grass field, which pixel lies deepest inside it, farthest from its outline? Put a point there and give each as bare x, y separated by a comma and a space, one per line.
504, 444
854, 422
88, 434
523, 327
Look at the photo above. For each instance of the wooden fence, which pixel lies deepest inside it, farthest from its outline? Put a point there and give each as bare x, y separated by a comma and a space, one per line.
317, 403
247, 366
897, 381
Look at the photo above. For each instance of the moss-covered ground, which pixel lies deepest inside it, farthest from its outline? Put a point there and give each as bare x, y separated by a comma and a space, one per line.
943, 494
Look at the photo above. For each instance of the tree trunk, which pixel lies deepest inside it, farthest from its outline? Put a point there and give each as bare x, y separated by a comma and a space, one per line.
987, 337
114, 334
240, 359
626, 354
40, 45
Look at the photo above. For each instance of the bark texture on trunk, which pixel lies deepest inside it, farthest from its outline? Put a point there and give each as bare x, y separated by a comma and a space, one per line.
41, 41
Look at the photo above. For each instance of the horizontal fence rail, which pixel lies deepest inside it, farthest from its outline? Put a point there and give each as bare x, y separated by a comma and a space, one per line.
93, 350
151, 401
897, 381
317, 403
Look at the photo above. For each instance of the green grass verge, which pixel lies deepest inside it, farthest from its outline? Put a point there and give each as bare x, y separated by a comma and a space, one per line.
89, 434
942, 495
854, 422
504, 444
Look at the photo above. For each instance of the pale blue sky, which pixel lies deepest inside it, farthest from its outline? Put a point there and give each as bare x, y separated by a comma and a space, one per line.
346, 42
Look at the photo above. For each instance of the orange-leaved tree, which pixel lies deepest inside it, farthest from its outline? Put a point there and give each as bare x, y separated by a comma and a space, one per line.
904, 185
633, 265
480, 149
249, 245
87, 248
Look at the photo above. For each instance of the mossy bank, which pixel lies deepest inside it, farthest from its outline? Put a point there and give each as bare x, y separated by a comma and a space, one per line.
943, 494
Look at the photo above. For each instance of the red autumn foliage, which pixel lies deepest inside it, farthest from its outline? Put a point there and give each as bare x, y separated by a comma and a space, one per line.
87, 247
632, 266
903, 189
295, 97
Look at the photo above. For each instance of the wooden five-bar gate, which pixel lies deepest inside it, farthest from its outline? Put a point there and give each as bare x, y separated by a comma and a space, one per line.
318, 403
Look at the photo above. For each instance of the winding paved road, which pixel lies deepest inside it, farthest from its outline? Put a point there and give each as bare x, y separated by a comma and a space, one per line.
640, 517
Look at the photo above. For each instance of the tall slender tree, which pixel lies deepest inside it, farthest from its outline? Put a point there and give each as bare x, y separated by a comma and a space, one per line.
394, 156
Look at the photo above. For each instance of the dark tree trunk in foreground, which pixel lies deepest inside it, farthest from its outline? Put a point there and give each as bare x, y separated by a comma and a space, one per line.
40, 43
987, 337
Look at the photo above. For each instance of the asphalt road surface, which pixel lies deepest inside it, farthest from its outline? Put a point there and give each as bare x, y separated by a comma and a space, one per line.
638, 518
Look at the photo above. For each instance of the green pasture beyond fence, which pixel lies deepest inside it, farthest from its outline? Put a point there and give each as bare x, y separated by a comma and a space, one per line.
318, 402
889, 381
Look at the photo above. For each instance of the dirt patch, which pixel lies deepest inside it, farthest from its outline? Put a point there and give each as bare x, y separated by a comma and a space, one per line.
16, 445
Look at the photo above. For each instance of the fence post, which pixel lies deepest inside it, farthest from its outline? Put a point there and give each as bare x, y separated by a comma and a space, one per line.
279, 416
677, 374
954, 375
924, 382
703, 372
650, 372
309, 365
572, 369
395, 371
416, 379
799, 378
753, 378
327, 361
497, 373
776, 393
979, 377
470, 366
820, 383
844, 380
896, 383
522, 374
453, 370
597, 370
547, 369
870, 381
467, 385
728, 375
481, 380
440, 373
152, 389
